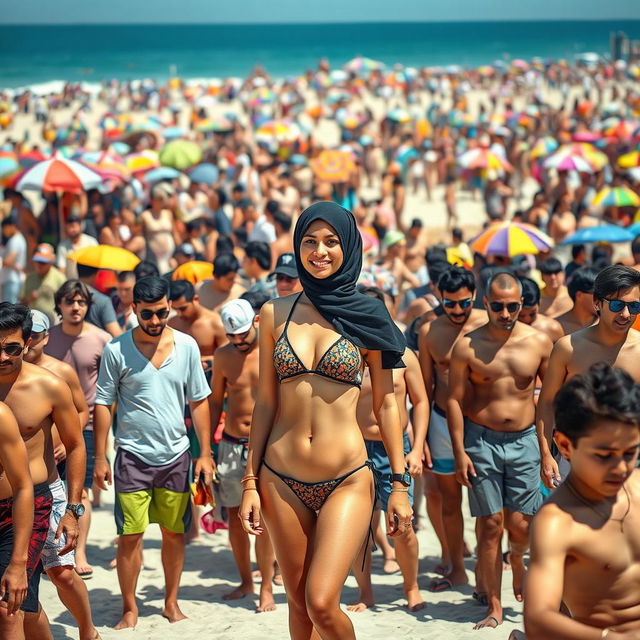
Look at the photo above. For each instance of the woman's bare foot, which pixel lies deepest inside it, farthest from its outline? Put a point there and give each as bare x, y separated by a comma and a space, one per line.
490, 622
414, 600
365, 601
129, 620
267, 602
518, 572
390, 565
172, 612
239, 592
84, 570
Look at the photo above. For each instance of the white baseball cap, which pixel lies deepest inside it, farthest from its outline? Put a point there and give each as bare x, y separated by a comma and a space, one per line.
40, 321
237, 316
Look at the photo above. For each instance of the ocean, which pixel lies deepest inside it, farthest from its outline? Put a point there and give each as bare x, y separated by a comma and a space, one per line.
94, 53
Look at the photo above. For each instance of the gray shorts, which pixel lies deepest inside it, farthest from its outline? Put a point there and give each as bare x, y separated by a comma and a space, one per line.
507, 465
232, 462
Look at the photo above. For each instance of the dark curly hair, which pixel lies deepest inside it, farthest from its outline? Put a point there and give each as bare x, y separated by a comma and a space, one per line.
604, 392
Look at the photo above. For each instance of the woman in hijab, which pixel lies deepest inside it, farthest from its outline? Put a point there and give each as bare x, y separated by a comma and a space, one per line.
307, 471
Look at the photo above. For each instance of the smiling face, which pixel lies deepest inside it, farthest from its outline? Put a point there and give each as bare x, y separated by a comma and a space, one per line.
320, 250
620, 321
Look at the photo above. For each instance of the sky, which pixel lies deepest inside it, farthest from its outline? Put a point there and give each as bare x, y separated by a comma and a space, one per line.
297, 11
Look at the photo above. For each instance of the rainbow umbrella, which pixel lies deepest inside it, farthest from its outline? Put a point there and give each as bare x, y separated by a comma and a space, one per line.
107, 165
142, 161
616, 197
483, 158
333, 166
361, 64
59, 174
595, 158
216, 125
283, 131
544, 147
511, 239
8, 164
562, 162
629, 160
260, 96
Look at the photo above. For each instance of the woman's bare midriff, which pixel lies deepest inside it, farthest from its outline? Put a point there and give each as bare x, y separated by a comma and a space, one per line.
315, 436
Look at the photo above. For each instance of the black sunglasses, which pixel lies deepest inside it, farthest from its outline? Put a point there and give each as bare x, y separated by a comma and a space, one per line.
450, 304
69, 301
512, 307
12, 349
147, 314
616, 306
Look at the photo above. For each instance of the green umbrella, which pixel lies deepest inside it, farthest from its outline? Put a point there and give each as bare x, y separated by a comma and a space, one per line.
180, 154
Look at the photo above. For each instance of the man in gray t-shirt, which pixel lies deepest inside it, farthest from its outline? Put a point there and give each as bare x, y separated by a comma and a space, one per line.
149, 373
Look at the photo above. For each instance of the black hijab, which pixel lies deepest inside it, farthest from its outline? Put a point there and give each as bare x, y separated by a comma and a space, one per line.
362, 319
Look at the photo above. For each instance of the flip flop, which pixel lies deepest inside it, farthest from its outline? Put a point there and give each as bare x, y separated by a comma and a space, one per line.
442, 584
85, 575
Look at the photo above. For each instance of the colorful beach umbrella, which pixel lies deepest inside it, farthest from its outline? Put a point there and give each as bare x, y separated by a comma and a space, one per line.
9, 164
511, 239
616, 197
483, 158
214, 125
543, 147
282, 131
108, 165
260, 96
333, 166
180, 154
361, 64
28, 158
562, 162
59, 174
629, 160
105, 256
142, 161
596, 159
601, 233
349, 120
399, 115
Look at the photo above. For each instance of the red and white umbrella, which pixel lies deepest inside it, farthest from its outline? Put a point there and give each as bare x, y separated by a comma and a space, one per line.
59, 174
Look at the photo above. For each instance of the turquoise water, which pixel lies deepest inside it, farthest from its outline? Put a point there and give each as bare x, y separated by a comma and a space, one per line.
35, 54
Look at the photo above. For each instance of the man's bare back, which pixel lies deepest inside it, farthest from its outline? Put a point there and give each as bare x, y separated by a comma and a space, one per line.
556, 305
549, 326
570, 322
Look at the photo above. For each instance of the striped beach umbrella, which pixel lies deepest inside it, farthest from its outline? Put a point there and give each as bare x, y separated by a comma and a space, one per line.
283, 131
616, 197
260, 96
142, 161
106, 164
360, 64
595, 158
562, 162
511, 239
629, 160
483, 158
28, 158
214, 125
8, 164
544, 146
60, 174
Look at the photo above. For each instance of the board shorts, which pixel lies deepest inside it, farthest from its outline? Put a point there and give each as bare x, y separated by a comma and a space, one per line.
42, 512
232, 462
382, 470
147, 493
439, 442
50, 557
507, 468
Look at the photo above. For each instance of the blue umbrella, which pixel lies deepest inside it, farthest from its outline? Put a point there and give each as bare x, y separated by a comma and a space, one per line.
602, 233
206, 173
172, 133
161, 173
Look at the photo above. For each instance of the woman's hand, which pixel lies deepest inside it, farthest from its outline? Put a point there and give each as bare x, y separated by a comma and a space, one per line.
399, 513
249, 512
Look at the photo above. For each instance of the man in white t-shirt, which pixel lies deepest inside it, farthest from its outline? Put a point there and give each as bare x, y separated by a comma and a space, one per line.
14, 260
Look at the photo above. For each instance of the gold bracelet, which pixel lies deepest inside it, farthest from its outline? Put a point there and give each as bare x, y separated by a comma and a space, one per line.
605, 633
248, 477
399, 491
249, 489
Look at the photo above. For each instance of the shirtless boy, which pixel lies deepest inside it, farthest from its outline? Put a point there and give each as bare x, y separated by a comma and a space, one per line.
585, 540
583, 313
204, 326
17, 556
436, 342
38, 399
496, 450
223, 286
235, 374
555, 299
616, 296
530, 312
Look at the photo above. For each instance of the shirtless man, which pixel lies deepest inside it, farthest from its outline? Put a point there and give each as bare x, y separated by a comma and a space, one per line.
583, 313
530, 312
235, 374
38, 399
61, 568
201, 324
492, 378
555, 298
610, 340
407, 382
16, 523
585, 540
435, 344
223, 286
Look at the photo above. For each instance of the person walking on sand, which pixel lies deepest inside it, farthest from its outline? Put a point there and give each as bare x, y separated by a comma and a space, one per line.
235, 375
307, 470
149, 373
492, 378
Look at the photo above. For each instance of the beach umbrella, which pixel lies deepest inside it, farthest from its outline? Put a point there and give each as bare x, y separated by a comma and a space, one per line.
205, 173
521, 65
260, 96
161, 173
348, 120
544, 146
173, 133
28, 158
616, 197
585, 136
629, 160
621, 131
562, 162
194, 271
180, 154
106, 256
361, 64
333, 166
399, 115
601, 233
9, 164
283, 131
511, 239
108, 165
214, 125
144, 123
142, 161
59, 174
485, 70
483, 158
595, 158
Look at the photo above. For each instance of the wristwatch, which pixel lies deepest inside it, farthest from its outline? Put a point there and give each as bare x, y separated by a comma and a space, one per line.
404, 478
76, 509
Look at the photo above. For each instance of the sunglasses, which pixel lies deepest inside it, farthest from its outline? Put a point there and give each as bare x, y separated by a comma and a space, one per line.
450, 304
147, 314
81, 302
12, 349
512, 307
616, 306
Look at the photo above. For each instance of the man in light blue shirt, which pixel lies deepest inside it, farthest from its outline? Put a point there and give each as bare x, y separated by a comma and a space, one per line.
150, 373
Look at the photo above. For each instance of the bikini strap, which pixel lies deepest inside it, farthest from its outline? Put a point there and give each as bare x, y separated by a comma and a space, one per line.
293, 306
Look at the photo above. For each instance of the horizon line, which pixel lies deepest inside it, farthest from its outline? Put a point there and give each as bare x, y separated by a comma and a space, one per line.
310, 23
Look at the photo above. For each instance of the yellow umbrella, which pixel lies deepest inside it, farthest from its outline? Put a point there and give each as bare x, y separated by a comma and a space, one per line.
333, 166
193, 271
104, 256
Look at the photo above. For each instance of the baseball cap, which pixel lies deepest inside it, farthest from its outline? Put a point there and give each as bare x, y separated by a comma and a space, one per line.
73, 218
237, 316
44, 253
40, 321
285, 265
185, 249
393, 237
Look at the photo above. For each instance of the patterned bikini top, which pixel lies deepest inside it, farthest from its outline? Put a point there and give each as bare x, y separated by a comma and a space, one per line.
341, 362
